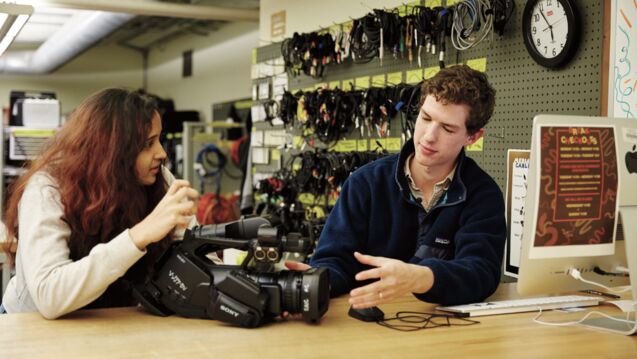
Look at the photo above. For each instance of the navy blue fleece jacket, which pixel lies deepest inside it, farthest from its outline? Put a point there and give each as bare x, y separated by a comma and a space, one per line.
461, 239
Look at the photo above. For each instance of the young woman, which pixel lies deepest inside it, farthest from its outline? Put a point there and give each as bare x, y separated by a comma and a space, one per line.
95, 210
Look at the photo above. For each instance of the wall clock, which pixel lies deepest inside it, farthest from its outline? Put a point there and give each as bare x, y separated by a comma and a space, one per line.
552, 31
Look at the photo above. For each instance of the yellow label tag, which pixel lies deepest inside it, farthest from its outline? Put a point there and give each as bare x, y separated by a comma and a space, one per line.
362, 145
348, 85
477, 146
403, 11
314, 212
345, 146
243, 105
394, 78
414, 76
347, 26
297, 141
431, 72
378, 80
361, 82
378, 143
254, 56
296, 166
300, 113
393, 144
306, 198
335, 84
33, 133
478, 64
276, 155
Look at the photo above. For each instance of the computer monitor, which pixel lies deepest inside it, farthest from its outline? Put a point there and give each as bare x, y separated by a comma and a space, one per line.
582, 179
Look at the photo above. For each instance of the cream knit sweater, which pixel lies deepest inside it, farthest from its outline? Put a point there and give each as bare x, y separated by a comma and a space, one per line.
46, 279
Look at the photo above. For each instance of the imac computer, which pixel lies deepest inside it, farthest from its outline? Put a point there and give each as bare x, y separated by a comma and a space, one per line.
582, 183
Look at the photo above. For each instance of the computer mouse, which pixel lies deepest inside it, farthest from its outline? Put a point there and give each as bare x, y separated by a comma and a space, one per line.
371, 314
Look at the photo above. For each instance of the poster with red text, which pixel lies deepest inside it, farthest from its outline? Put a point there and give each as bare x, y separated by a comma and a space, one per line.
577, 192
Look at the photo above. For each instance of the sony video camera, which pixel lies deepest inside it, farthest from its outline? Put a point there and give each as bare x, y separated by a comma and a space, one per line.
186, 282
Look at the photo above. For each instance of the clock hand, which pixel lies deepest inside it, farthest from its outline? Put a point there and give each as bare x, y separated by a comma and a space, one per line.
550, 26
544, 17
558, 21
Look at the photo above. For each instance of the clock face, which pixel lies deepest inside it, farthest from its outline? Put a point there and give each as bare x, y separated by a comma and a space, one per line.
549, 28
551, 31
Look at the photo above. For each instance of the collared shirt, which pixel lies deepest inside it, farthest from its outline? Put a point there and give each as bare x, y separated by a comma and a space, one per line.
440, 188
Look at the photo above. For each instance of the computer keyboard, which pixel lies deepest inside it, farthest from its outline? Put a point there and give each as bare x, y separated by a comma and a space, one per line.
522, 305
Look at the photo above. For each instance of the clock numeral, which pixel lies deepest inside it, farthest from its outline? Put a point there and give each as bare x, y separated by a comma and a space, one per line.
554, 52
549, 2
536, 17
561, 45
534, 30
541, 6
545, 49
539, 42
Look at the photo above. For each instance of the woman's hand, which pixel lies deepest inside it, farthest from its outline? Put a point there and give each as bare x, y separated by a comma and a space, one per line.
175, 209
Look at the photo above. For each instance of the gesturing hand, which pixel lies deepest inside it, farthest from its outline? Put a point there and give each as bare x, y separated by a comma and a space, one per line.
395, 279
297, 266
175, 209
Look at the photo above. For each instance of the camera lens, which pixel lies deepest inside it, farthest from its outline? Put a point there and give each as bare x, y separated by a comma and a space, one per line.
302, 292
290, 283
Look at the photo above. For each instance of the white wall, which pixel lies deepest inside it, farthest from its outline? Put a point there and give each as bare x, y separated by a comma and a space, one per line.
221, 71
221, 68
97, 68
311, 15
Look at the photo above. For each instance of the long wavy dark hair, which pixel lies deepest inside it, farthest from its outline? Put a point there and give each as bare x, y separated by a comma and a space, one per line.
92, 159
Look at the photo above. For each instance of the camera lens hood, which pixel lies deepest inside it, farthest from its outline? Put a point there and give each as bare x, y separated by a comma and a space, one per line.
315, 294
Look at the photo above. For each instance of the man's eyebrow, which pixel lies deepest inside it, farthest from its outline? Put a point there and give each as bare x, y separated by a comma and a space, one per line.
424, 113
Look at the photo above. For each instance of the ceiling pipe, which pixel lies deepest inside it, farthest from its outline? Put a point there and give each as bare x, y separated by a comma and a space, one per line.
87, 28
154, 8
79, 33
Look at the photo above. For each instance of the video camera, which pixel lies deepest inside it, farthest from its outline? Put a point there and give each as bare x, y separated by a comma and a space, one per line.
186, 282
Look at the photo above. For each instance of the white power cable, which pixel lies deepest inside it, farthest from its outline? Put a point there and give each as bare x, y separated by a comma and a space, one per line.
472, 22
563, 324
578, 275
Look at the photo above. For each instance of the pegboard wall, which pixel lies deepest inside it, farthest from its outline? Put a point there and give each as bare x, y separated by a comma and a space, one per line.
524, 88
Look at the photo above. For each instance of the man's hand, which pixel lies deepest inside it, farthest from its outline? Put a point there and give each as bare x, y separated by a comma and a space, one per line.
297, 266
395, 279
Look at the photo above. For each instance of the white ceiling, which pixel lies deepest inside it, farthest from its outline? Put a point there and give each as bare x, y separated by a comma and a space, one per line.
138, 27
41, 25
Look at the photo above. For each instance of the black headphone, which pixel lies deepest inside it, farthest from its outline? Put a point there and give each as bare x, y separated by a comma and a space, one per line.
216, 169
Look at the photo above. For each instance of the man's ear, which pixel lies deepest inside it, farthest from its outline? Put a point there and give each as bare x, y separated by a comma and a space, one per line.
473, 138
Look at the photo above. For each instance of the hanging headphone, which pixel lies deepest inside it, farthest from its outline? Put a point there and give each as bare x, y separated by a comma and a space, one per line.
210, 169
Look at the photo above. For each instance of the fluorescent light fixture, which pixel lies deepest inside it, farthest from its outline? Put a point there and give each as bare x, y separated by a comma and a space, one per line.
12, 19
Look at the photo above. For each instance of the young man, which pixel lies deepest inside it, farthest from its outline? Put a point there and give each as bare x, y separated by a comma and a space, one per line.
428, 220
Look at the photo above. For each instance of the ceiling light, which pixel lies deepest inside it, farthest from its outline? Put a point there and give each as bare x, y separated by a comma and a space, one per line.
12, 19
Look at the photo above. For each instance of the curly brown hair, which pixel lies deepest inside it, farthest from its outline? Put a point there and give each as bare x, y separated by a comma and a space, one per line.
92, 158
462, 85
